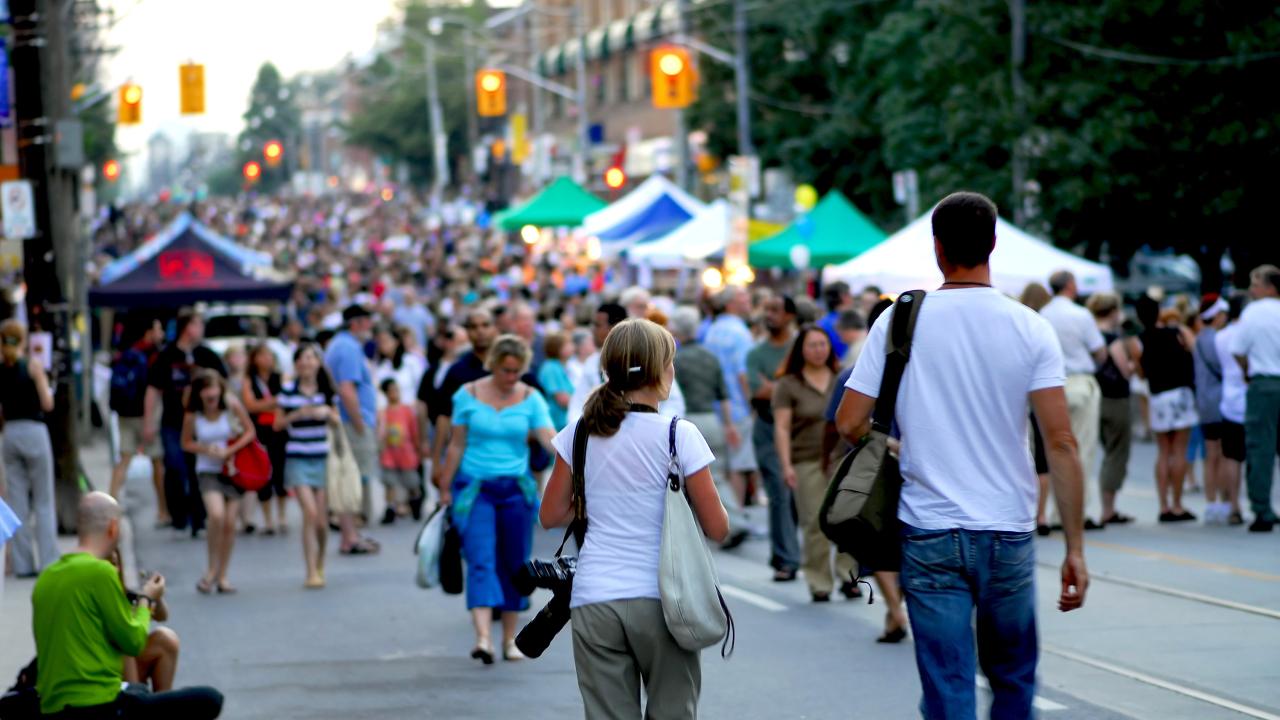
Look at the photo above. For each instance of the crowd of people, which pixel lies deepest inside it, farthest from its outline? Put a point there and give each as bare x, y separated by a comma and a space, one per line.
451, 367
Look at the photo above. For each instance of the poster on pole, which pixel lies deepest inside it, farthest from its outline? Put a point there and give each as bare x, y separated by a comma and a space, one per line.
19, 208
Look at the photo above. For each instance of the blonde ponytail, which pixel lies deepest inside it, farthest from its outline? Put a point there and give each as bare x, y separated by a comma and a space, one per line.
634, 357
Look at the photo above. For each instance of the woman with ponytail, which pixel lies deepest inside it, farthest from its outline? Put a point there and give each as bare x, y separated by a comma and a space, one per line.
618, 626
25, 397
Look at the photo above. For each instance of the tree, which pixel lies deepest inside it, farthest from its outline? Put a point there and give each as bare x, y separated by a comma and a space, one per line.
272, 115
1145, 120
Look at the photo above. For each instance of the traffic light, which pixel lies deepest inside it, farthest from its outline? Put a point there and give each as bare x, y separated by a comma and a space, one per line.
273, 151
615, 177
130, 112
111, 170
491, 93
191, 85
252, 171
675, 83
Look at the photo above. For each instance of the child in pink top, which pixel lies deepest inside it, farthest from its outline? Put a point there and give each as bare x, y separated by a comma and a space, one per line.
398, 440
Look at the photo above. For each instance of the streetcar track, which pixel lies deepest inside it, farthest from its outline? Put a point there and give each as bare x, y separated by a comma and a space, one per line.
1175, 592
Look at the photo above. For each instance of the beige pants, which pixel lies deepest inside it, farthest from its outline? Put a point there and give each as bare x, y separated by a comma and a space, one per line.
617, 644
811, 486
1084, 403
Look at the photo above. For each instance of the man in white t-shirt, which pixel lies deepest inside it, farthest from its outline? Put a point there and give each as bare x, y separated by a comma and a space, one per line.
1257, 349
1083, 349
969, 495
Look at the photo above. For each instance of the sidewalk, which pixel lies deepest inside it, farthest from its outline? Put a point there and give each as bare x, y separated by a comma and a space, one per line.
17, 647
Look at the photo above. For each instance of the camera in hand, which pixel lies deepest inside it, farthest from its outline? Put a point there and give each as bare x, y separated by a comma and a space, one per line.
554, 575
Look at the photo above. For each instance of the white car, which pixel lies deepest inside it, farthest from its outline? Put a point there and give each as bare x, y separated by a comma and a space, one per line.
245, 325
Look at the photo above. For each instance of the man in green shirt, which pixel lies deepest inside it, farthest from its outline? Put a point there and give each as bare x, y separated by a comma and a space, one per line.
763, 362
85, 626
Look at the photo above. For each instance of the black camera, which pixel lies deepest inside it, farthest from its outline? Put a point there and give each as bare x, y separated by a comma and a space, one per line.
554, 575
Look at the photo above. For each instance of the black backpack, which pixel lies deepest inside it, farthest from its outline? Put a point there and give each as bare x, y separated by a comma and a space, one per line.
21, 702
129, 383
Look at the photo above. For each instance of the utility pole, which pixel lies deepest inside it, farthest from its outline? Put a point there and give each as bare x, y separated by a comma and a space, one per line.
1018, 56
39, 59
742, 75
682, 132
582, 159
440, 144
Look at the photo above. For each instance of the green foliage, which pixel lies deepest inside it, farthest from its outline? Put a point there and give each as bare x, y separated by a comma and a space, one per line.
1138, 133
273, 114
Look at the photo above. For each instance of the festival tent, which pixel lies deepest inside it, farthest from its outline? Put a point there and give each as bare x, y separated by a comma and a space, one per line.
906, 261
563, 203
655, 207
834, 231
185, 263
706, 234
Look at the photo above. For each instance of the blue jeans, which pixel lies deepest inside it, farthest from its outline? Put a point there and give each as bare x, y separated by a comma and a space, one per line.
497, 539
946, 576
181, 492
784, 552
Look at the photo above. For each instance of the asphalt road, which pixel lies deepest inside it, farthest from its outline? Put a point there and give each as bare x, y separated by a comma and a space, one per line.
1181, 622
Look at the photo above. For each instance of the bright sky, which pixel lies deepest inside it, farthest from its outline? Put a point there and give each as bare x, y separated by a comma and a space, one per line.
232, 38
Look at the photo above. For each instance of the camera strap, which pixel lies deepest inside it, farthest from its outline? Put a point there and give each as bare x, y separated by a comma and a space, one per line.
578, 527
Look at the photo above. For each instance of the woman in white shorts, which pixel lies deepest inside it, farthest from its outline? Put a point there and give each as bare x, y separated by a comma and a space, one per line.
1169, 368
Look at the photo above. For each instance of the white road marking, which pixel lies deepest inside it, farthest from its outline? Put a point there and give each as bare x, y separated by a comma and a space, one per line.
1174, 592
1040, 703
1162, 684
747, 596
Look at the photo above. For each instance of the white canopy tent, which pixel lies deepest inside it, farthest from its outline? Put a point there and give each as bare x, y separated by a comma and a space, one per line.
905, 261
656, 204
704, 235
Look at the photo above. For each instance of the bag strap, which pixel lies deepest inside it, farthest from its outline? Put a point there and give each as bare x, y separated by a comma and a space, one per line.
578, 527
901, 333
674, 478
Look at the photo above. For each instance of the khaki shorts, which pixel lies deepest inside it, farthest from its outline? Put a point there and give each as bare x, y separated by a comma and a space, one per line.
131, 439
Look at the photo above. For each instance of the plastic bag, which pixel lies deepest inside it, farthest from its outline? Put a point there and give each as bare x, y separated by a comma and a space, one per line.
427, 548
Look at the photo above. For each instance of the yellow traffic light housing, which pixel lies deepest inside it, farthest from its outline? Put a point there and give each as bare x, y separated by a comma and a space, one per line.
130, 111
491, 93
191, 86
674, 80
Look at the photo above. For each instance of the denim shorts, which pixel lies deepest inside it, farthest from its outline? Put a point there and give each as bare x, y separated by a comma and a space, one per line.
302, 471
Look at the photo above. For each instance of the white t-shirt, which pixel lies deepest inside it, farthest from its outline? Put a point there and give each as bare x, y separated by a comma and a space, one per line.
1077, 333
1259, 337
1234, 388
963, 408
626, 485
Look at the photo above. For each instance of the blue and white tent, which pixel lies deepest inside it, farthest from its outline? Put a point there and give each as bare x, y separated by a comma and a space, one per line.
653, 209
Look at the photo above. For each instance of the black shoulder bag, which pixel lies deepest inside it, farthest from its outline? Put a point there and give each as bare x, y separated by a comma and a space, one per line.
860, 510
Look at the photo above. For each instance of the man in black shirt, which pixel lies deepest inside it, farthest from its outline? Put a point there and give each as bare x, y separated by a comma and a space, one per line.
167, 381
481, 331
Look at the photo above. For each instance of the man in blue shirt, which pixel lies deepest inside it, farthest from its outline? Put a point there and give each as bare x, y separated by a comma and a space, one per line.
358, 406
838, 298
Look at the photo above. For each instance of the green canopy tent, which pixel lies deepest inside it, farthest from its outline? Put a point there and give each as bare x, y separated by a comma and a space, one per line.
834, 231
563, 203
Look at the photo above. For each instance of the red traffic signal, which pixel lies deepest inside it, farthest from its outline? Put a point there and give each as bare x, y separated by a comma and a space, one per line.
111, 170
252, 171
615, 177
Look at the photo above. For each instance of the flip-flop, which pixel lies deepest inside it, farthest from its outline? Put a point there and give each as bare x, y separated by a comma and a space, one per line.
204, 586
1118, 519
356, 549
893, 637
227, 589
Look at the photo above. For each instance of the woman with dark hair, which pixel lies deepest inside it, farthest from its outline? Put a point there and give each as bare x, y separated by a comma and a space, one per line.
619, 634
392, 360
25, 396
208, 433
805, 382
305, 407
259, 393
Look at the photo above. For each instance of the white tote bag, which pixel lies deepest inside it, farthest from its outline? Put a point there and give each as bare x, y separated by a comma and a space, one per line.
430, 540
343, 484
692, 605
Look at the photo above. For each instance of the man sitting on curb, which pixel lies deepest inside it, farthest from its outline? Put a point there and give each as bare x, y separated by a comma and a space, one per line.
84, 627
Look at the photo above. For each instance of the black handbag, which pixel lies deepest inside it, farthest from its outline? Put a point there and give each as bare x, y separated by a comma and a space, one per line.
859, 512
451, 559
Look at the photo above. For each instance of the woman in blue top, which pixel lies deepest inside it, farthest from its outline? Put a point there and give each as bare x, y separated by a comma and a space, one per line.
486, 482
554, 378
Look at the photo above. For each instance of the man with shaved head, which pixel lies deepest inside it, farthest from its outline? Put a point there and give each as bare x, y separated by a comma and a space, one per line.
85, 625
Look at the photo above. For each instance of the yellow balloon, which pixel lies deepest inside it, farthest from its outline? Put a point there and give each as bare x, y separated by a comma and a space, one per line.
806, 197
